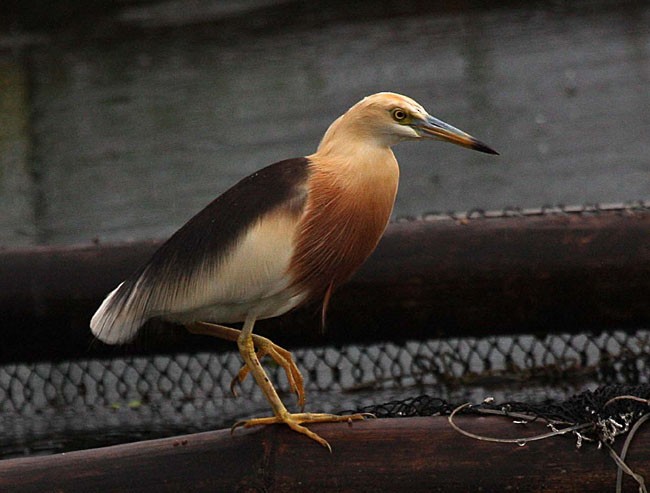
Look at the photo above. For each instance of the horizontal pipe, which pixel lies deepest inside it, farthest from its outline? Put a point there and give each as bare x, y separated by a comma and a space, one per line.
400, 454
468, 277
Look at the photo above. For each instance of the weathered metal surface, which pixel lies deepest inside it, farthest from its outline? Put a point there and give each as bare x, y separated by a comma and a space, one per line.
408, 454
546, 273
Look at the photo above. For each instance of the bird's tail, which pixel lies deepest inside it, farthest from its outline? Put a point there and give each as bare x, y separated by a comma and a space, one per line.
118, 319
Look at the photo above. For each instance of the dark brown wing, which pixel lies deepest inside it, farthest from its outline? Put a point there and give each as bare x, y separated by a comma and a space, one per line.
169, 279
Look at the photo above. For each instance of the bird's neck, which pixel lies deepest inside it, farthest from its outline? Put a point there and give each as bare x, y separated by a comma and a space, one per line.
356, 161
352, 188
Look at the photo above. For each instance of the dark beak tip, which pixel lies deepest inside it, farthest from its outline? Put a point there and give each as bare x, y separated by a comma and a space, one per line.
481, 147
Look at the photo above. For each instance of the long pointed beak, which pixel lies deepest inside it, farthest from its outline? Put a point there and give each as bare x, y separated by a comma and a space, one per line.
432, 128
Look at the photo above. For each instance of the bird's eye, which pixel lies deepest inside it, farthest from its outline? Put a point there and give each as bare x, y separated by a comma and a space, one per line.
399, 114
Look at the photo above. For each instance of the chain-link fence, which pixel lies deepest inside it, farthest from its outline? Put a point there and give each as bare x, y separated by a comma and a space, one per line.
50, 407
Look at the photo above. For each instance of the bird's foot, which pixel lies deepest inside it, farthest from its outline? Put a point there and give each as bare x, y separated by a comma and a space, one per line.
296, 420
283, 358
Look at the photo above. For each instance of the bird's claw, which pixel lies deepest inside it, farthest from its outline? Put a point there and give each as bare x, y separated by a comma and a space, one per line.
296, 420
283, 358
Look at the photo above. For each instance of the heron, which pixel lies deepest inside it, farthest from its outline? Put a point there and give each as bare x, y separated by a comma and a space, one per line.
287, 235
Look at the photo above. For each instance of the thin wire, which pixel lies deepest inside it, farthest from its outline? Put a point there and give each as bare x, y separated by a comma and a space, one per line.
518, 441
627, 398
619, 474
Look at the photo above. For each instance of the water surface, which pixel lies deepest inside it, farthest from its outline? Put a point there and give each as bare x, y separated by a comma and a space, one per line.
134, 130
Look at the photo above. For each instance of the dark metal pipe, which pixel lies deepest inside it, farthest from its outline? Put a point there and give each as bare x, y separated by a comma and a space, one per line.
401, 454
524, 274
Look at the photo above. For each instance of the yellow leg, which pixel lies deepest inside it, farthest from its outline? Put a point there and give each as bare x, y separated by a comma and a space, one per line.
264, 347
281, 415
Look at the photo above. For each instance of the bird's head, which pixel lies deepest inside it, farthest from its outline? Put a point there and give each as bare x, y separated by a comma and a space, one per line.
390, 118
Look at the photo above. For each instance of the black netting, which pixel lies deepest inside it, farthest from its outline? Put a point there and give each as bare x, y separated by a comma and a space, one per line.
618, 405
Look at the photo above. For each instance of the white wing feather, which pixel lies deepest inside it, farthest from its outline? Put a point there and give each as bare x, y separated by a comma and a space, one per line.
251, 277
